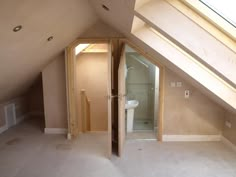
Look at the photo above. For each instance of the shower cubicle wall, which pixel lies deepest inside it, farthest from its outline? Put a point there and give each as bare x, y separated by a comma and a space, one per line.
141, 83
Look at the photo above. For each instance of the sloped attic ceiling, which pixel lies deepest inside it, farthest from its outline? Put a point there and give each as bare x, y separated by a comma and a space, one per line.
23, 54
120, 16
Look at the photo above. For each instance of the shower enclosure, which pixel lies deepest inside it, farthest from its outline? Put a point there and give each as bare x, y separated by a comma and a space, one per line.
142, 84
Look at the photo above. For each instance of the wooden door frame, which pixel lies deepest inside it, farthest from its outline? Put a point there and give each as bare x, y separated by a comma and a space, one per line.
70, 61
70, 83
161, 67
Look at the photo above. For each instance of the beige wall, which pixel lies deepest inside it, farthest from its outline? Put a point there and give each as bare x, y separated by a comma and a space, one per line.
35, 97
197, 115
92, 76
2, 116
54, 89
101, 30
21, 108
54, 84
230, 133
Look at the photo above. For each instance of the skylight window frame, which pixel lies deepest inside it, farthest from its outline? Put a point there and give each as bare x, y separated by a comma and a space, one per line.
212, 17
225, 17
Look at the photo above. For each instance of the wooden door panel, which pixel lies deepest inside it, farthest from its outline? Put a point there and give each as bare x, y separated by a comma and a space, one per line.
109, 90
121, 102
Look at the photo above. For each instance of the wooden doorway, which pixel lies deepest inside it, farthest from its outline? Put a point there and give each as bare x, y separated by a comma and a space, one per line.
85, 82
161, 67
116, 122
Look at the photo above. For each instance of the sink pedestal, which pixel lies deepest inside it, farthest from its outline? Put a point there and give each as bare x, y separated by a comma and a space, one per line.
129, 106
130, 120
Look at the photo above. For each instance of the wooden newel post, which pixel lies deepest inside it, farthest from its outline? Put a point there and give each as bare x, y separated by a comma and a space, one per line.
85, 112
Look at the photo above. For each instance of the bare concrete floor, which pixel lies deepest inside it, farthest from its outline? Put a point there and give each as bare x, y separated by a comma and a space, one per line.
26, 152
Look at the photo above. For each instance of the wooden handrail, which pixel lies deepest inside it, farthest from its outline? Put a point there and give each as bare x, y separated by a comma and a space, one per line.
85, 112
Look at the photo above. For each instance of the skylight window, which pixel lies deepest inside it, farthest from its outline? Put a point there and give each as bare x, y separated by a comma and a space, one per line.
224, 8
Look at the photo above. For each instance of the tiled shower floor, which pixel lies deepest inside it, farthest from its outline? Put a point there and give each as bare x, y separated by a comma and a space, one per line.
143, 125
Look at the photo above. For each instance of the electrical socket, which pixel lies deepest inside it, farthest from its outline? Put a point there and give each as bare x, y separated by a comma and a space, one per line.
178, 84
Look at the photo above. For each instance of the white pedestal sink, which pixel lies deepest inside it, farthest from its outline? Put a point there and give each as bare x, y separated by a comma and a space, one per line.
130, 106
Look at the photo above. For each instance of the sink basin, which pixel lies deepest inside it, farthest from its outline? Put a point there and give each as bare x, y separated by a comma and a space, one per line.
131, 104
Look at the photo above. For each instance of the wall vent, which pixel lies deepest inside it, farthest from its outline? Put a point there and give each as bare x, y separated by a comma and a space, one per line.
10, 115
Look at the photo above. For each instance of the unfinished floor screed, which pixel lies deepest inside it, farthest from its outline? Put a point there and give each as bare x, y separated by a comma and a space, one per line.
26, 152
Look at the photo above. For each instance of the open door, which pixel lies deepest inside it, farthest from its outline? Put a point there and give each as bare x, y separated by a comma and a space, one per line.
73, 125
109, 96
113, 96
121, 102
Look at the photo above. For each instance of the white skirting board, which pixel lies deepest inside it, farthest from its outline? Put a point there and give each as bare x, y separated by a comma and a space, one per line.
167, 138
55, 131
228, 143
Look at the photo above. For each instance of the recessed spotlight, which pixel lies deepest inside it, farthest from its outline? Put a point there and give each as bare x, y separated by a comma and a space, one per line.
105, 7
50, 38
17, 28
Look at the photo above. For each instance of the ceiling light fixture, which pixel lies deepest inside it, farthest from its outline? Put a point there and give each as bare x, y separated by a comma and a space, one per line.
105, 7
50, 38
17, 28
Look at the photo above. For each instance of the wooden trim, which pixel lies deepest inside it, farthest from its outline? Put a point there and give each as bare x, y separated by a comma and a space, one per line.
192, 58
161, 86
85, 111
70, 101
88, 114
70, 63
141, 52
67, 92
212, 17
198, 16
70, 76
73, 127
87, 40
161, 104
109, 100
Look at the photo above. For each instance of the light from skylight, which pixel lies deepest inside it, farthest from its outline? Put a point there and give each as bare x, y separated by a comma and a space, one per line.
80, 48
224, 8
